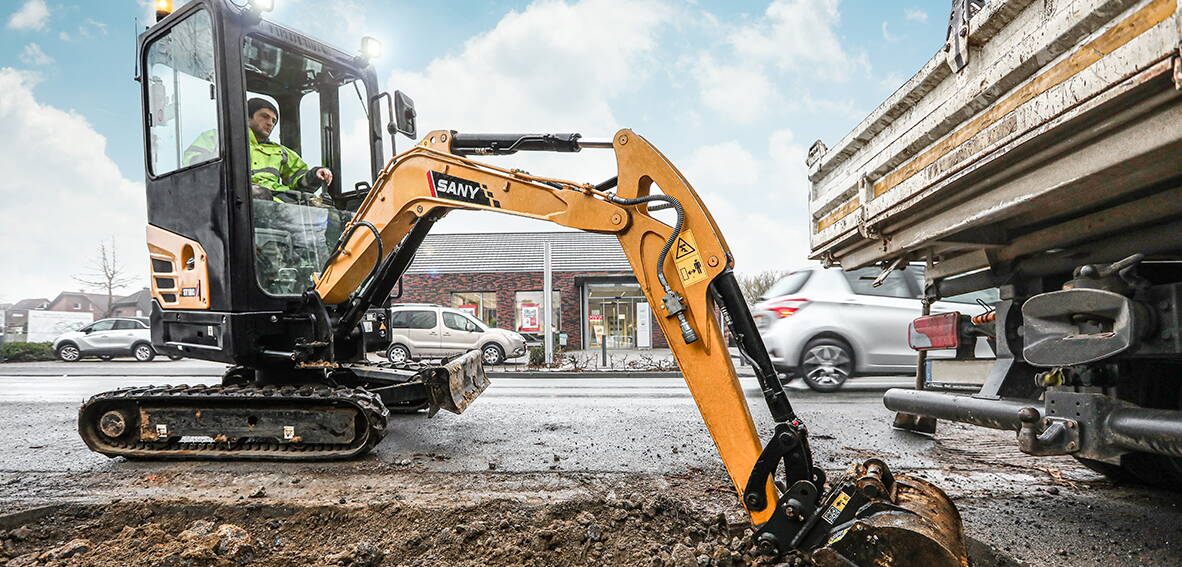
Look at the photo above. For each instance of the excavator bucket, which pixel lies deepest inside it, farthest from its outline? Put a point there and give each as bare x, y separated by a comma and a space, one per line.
454, 385
872, 517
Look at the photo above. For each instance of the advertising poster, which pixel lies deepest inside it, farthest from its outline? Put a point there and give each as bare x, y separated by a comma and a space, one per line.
531, 318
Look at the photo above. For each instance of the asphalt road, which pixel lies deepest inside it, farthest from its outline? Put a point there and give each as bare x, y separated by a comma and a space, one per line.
1038, 511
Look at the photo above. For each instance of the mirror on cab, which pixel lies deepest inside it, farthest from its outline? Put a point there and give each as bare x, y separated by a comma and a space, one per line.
404, 114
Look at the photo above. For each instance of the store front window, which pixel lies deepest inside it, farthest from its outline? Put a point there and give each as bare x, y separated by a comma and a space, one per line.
479, 304
612, 315
529, 312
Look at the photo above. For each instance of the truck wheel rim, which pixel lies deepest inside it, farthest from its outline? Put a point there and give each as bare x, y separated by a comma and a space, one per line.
70, 353
826, 365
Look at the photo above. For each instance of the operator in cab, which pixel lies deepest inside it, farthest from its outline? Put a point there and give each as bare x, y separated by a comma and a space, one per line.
276, 171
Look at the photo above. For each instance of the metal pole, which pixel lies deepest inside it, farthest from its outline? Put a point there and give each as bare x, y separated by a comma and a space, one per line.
547, 291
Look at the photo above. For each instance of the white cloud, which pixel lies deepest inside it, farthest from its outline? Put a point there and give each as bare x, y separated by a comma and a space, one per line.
62, 195
731, 179
915, 15
740, 93
887, 35
554, 67
799, 35
32, 16
790, 174
33, 55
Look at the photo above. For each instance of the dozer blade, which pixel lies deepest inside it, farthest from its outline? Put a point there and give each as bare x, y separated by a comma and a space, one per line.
456, 384
872, 517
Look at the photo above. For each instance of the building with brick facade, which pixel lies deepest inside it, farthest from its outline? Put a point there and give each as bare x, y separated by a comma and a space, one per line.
497, 277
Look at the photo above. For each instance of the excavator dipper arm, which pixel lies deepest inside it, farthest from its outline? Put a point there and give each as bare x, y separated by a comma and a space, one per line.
686, 269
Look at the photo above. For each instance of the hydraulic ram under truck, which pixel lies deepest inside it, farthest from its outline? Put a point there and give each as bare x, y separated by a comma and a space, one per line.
279, 288
1039, 153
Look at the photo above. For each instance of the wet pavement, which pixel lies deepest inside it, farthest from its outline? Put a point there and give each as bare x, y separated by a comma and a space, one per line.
548, 437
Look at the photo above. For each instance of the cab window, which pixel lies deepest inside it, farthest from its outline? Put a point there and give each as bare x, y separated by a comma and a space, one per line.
298, 213
182, 115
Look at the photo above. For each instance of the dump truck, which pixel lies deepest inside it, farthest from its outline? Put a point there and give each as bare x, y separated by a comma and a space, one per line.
1039, 154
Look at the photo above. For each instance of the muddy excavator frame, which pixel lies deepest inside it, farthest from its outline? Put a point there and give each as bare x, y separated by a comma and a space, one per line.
301, 387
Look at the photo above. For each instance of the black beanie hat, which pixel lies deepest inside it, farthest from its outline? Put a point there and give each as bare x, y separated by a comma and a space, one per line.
255, 104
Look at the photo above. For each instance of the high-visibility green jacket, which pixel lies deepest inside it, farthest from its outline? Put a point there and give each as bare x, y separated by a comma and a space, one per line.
273, 166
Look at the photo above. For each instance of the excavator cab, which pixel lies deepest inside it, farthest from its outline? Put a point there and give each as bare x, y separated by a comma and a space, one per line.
229, 253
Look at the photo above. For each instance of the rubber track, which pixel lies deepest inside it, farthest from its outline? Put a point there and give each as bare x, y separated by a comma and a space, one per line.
368, 404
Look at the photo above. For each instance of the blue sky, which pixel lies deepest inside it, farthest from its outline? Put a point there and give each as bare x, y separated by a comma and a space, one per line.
733, 92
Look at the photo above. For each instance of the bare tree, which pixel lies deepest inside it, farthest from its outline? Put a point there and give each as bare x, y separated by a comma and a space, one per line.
106, 274
754, 284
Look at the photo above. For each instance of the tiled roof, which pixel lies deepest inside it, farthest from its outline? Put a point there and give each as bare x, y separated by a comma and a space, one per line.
519, 252
141, 298
36, 303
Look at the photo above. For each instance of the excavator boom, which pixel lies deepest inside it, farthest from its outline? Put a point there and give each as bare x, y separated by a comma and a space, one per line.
686, 269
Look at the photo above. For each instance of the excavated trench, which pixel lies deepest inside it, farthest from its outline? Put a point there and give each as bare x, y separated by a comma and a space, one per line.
683, 527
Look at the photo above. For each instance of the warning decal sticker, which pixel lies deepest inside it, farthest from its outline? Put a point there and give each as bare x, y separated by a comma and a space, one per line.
687, 259
830, 516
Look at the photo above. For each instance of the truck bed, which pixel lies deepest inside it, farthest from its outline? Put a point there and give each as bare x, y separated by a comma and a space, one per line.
1062, 135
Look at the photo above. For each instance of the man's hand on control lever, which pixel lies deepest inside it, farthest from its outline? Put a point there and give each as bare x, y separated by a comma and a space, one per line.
323, 199
324, 174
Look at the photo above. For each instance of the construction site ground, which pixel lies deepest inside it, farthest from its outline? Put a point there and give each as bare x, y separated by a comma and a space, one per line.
592, 471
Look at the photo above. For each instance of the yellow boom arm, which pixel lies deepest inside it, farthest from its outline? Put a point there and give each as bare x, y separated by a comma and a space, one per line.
429, 179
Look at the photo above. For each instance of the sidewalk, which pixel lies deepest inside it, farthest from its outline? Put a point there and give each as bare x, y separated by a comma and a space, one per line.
639, 362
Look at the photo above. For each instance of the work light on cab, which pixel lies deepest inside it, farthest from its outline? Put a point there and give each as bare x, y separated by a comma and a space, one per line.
163, 8
371, 48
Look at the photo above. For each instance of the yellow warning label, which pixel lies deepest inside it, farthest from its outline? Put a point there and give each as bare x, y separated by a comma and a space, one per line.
841, 501
834, 511
689, 264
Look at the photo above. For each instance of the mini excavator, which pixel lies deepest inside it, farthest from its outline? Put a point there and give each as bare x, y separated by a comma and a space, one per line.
278, 290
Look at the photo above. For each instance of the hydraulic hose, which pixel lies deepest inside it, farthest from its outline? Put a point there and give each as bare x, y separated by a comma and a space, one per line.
673, 302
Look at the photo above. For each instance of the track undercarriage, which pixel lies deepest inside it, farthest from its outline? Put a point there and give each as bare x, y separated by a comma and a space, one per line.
340, 417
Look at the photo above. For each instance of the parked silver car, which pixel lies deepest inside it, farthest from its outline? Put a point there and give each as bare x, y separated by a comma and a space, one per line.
826, 325
108, 338
432, 331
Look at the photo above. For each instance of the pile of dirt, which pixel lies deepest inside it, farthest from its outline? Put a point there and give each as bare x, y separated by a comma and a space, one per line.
625, 530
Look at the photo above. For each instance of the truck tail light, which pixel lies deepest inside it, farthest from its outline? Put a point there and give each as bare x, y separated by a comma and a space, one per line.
786, 307
933, 332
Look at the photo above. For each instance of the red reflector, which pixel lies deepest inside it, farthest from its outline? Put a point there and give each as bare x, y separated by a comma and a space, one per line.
935, 332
